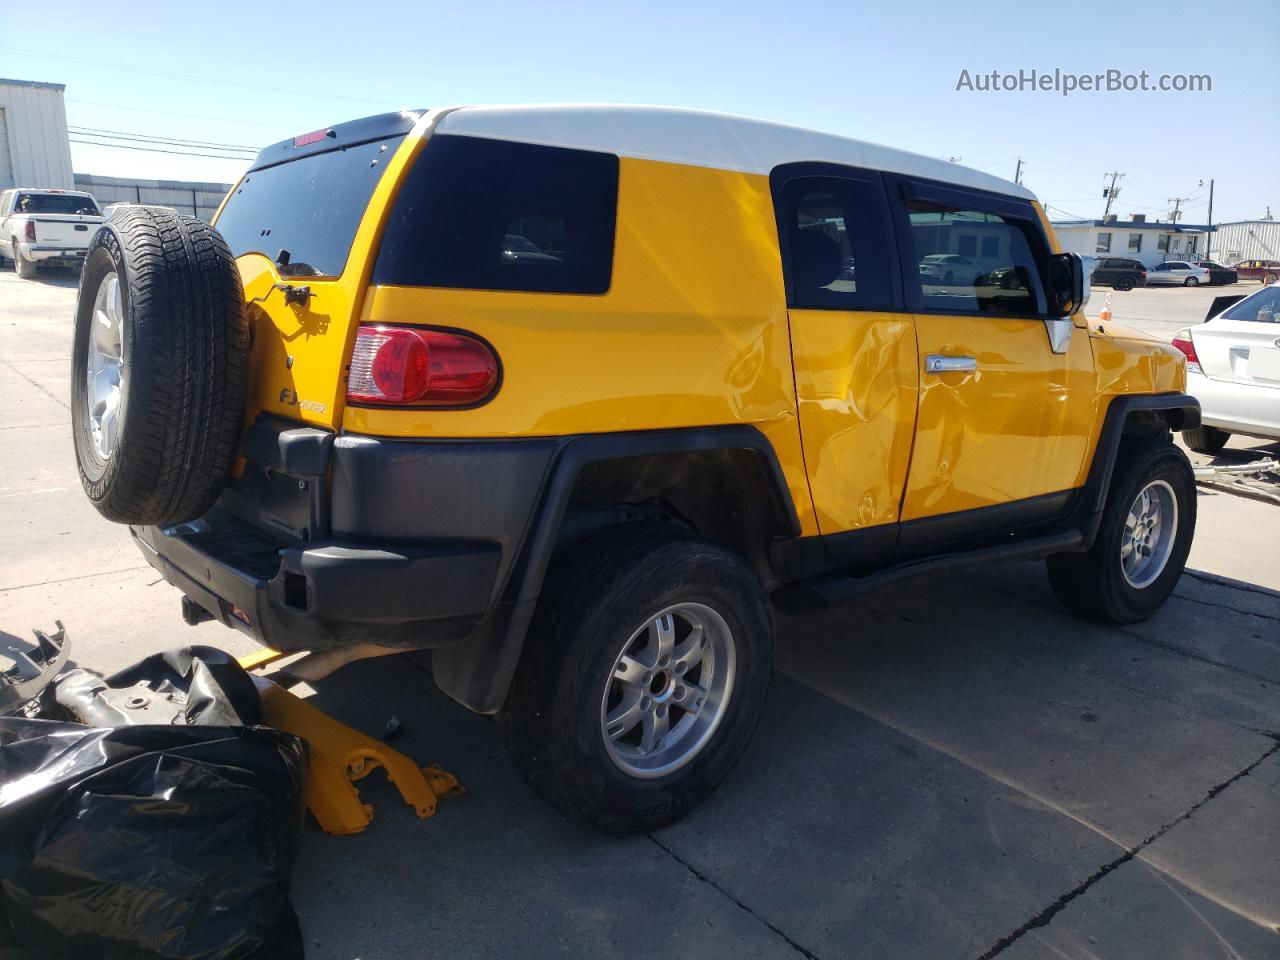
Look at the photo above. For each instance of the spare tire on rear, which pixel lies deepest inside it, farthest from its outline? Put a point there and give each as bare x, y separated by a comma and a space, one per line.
159, 367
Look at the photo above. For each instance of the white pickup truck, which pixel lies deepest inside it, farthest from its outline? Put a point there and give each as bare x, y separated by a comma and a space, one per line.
46, 227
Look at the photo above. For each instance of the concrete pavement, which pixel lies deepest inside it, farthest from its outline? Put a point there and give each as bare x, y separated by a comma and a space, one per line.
957, 768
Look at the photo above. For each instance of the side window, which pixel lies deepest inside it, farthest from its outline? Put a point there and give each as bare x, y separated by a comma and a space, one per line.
837, 244
483, 214
1002, 278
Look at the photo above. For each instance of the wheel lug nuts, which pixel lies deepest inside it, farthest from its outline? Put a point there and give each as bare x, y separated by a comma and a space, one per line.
679, 694
662, 710
681, 667
664, 661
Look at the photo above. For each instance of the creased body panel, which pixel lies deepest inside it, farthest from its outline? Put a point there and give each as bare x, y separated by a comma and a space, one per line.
692, 332
1018, 426
856, 383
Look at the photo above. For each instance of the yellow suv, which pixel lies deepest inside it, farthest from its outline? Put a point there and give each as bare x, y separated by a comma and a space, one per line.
573, 397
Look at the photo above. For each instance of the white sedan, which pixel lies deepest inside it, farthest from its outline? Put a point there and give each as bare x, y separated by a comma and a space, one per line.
1233, 369
948, 268
1178, 273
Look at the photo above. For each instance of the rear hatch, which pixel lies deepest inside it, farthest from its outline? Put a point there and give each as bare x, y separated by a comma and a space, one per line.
1242, 344
62, 220
301, 224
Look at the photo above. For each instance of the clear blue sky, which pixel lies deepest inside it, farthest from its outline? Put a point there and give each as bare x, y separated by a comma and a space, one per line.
885, 72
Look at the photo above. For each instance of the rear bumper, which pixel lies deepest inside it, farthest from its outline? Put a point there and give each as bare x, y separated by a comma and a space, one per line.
327, 594
1237, 407
326, 542
44, 254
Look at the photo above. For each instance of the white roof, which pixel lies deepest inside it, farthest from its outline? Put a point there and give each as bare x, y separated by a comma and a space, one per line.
702, 139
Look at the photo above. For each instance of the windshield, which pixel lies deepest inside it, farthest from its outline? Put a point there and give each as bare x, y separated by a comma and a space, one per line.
1262, 307
67, 204
303, 214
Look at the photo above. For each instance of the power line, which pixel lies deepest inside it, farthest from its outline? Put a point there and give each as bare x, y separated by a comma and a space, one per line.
172, 113
176, 153
150, 138
190, 78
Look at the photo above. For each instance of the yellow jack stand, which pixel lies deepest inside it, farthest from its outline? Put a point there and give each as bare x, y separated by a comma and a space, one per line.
339, 755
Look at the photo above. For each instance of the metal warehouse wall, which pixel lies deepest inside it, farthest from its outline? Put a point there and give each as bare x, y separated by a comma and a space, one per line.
194, 199
1247, 240
34, 149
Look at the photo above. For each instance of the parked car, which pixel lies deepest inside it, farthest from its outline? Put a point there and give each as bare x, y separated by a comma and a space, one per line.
583, 483
1233, 369
1177, 273
1218, 274
1267, 271
42, 227
948, 268
1120, 273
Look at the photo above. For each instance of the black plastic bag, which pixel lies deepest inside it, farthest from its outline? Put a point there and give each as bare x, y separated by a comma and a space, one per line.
155, 841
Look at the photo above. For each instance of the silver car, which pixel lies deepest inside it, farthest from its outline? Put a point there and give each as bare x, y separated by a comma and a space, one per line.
1233, 369
1177, 273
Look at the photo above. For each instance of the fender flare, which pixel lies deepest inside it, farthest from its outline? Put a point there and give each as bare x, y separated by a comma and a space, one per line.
478, 671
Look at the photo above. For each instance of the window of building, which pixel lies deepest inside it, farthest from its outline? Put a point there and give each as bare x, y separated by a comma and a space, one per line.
1135, 243
1003, 279
483, 214
837, 244
1162, 242
1104, 243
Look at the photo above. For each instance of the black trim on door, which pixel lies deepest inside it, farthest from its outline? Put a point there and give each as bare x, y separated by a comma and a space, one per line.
781, 179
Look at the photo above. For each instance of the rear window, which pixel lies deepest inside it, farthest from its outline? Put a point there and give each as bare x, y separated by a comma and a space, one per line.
303, 214
1262, 307
56, 203
484, 214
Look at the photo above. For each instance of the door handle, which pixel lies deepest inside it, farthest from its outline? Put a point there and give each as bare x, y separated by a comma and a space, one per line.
938, 363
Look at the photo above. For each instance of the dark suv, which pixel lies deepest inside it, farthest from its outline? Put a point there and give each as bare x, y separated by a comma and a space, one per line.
1119, 272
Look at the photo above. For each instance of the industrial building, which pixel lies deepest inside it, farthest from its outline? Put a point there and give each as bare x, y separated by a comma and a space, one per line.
35, 151
1151, 242
1247, 240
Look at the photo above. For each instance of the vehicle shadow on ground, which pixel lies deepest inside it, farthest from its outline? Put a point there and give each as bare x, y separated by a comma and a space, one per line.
57, 277
933, 769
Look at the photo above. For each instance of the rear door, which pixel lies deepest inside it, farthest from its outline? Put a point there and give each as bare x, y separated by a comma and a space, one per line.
854, 350
1004, 421
1242, 345
305, 217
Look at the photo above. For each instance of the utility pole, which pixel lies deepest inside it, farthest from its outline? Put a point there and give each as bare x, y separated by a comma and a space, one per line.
1175, 213
1111, 192
1208, 237
1017, 174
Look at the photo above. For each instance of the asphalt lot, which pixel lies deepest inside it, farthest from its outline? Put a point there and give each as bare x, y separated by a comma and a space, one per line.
953, 769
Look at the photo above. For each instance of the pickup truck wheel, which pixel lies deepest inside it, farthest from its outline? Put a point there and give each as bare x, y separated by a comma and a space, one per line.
24, 268
1205, 439
159, 367
1142, 542
642, 679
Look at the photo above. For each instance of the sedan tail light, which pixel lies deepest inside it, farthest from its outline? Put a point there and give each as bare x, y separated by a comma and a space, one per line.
1182, 340
421, 367
30, 232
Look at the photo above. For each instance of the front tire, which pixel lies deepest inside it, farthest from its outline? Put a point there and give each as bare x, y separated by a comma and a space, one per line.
643, 677
1205, 439
1143, 538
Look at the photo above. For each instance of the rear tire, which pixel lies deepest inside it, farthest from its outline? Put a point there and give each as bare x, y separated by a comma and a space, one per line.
1270, 278
159, 367
1098, 582
575, 724
24, 268
1191, 282
1124, 283
1205, 439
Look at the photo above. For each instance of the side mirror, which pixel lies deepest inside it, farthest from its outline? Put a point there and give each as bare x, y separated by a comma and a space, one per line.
1066, 284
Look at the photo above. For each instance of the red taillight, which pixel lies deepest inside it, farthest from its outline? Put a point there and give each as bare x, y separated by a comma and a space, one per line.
416, 365
1182, 341
315, 136
30, 232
